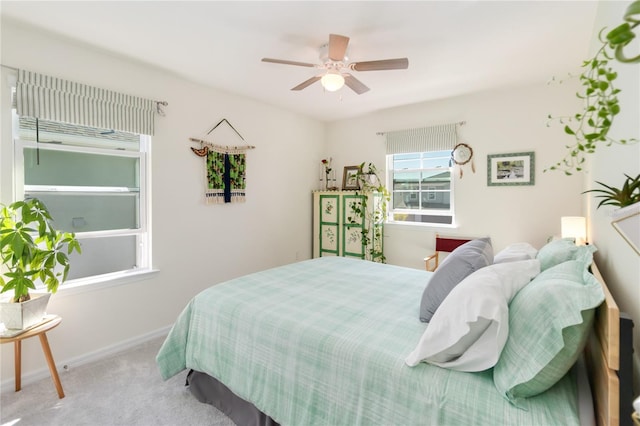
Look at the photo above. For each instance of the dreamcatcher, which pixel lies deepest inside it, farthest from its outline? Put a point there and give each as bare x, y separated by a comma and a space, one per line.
462, 154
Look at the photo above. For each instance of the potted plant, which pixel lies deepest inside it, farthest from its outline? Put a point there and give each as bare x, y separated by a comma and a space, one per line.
31, 250
373, 216
590, 127
626, 219
625, 196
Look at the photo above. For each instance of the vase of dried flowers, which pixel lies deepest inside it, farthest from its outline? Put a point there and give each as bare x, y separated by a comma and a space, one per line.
326, 164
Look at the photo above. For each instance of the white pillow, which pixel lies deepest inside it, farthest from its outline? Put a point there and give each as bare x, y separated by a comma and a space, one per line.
470, 328
514, 252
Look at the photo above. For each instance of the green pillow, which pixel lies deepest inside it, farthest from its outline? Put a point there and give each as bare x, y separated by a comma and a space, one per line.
549, 322
558, 251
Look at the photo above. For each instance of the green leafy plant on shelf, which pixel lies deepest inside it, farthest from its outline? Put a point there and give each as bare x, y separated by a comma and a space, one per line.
372, 217
626, 195
32, 249
590, 127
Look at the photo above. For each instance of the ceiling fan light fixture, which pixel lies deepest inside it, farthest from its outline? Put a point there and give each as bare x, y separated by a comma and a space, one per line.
333, 58
332, 81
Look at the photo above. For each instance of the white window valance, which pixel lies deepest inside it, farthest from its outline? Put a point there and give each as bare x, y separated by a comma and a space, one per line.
55, 99
432, 138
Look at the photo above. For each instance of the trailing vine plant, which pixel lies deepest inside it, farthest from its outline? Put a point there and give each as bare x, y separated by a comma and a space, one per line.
372, 217
590, 127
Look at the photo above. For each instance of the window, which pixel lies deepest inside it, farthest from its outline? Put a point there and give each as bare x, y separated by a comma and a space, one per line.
94, 183
421, 187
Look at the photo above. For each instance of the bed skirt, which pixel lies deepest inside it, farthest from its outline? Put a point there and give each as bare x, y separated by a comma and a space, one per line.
209, 390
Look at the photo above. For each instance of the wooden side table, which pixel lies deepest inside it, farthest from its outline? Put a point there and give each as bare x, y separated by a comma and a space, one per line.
39, 330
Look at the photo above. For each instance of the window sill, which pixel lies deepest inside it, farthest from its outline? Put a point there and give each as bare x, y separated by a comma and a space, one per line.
421, 225
101, 282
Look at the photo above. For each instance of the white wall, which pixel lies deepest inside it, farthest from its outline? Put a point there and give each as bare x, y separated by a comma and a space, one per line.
508, 121
619, 264
514, 120
194, 245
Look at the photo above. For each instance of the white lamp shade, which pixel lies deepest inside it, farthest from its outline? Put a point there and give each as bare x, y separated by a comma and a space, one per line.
332, 81
574, 227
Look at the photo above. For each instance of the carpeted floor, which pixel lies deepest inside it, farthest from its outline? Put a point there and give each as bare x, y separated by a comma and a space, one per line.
124, 389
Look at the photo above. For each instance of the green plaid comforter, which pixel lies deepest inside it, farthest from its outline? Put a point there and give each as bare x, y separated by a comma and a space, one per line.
323, 342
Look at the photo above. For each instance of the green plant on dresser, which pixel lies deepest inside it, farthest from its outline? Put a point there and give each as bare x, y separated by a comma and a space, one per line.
373, 210
362, 216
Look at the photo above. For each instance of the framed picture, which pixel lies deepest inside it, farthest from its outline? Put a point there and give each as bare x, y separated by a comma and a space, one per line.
511, 169
350, 177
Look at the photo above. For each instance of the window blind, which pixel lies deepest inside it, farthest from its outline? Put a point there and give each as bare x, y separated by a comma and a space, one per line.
55, 99
433, 138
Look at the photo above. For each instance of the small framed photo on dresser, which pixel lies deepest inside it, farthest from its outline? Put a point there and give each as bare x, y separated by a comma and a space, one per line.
350, 178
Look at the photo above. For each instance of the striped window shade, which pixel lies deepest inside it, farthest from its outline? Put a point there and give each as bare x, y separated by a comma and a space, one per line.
54, 99
433, 138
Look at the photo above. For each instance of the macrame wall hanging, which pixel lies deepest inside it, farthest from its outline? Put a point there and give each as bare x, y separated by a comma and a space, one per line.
225, 169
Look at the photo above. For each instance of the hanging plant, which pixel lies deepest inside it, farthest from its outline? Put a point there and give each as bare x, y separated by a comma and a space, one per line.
590, 128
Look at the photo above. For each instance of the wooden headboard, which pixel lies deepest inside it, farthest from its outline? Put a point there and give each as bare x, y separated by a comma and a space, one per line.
603, 358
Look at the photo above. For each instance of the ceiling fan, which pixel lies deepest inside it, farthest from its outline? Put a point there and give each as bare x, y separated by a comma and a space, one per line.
335, 66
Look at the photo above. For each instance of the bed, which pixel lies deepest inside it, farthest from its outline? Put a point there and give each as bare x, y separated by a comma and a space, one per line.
325, 341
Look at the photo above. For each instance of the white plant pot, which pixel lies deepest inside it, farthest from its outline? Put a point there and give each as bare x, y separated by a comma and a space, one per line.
627, 222
18, 316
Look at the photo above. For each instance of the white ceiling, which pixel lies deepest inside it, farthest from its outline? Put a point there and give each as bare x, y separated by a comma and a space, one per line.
454, 47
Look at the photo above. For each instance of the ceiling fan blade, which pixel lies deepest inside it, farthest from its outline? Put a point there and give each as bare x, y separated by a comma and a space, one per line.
285, 62
337, 47
384, 64
355, 84
307, 83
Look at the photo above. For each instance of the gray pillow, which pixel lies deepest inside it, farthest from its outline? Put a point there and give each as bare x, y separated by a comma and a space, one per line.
460, 263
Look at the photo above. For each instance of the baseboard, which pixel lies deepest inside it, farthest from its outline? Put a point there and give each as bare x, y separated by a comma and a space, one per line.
34, 376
